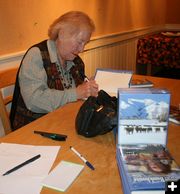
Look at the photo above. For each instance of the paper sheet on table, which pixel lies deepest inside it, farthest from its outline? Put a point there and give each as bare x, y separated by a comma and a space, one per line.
111, 80
63, 175
28, 178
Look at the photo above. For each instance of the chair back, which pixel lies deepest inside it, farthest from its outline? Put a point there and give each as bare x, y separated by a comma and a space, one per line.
7, 78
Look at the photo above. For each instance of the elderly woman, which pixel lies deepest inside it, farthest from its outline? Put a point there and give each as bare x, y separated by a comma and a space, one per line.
51, 73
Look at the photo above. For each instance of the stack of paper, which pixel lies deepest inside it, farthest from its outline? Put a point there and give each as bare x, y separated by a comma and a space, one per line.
28, 178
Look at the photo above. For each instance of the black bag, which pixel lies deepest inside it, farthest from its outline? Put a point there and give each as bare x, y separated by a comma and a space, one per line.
97, 115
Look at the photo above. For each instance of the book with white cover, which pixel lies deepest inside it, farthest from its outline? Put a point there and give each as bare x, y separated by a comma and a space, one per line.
110, 80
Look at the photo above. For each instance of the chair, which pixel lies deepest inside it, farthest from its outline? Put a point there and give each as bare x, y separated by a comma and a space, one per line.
7, 78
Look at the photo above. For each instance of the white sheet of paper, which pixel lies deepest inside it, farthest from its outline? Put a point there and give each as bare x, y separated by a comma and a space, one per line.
63, 175
28, 178
111, 80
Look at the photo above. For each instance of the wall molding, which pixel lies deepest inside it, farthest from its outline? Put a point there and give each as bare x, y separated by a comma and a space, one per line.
109, 39
13, 59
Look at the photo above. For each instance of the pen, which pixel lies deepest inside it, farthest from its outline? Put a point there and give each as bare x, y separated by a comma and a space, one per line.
82, 158
54, 136
83, 76
22, 164
86, 79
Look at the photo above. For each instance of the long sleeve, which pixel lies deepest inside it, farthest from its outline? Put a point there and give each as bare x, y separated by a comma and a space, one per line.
37, 96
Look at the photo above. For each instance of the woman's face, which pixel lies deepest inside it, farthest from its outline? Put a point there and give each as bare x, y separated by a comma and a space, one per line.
69, 46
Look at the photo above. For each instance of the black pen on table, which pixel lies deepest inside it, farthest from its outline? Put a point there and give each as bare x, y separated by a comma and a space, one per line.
54, 136
22, 164
82, 158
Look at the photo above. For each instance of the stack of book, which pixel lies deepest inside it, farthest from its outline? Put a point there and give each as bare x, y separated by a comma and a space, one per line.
141, 83
144, 162
174, 115
110, 80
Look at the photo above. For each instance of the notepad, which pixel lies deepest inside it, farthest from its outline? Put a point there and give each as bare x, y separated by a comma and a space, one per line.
62, 176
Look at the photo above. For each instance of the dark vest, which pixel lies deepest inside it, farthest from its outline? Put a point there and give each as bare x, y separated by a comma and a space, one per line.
20, 115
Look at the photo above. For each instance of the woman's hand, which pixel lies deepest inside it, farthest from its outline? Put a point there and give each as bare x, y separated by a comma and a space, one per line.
86, 89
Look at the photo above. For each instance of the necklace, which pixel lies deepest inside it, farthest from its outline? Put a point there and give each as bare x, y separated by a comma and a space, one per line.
65, 77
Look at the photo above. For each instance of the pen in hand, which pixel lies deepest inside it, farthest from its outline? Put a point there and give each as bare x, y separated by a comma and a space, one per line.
83, 76
22, 164
86, 79
82, 158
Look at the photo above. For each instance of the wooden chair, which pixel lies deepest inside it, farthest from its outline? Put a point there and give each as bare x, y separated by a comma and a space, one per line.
7, 78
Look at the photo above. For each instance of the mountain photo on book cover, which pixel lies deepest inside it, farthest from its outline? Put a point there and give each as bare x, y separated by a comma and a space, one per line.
143, 118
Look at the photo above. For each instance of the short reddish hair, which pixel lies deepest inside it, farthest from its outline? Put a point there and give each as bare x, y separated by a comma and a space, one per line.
73, 21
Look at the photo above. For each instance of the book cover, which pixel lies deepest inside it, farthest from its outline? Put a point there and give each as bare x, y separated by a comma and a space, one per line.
141, 83
146, 167
143, 115
143, 159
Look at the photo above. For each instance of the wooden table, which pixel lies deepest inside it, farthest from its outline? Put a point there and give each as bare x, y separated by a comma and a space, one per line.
100, 150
